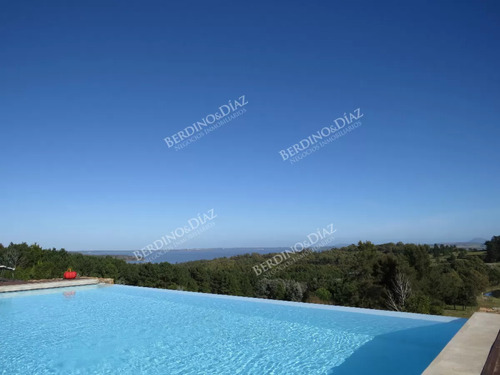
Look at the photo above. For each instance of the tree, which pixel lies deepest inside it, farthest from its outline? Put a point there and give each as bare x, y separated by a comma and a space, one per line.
493, 249
11, 256
419, 303
288, 290
323, 294
271, 288
398, 295
448, 287
294, 291
418, 257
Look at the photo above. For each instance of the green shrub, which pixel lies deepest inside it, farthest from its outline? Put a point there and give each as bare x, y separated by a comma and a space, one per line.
323, 294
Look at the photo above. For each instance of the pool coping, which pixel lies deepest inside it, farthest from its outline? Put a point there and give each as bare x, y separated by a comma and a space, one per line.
466, 353
47, 285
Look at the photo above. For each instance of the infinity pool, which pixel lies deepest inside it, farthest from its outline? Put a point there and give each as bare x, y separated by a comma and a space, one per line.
131, 330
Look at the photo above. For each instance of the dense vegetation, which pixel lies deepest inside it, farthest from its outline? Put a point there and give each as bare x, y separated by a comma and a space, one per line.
405, 277
493, 249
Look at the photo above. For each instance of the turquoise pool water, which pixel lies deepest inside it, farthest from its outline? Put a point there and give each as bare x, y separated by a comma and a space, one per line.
130, 330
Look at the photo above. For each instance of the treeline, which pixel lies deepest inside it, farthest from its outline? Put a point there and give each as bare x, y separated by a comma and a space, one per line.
404, 277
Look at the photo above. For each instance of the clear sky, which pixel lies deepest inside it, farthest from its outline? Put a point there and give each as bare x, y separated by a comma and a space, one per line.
89, 89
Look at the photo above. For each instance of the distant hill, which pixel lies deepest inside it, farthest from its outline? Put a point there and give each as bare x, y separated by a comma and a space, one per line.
478, 240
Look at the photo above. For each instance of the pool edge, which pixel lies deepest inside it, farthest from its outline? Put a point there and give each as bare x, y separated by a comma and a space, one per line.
359, 310
48, 285
468, 350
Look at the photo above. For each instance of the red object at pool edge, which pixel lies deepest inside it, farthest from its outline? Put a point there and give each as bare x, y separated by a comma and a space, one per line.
69, 274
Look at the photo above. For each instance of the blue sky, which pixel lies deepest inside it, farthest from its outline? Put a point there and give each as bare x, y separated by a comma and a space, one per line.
89, 89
